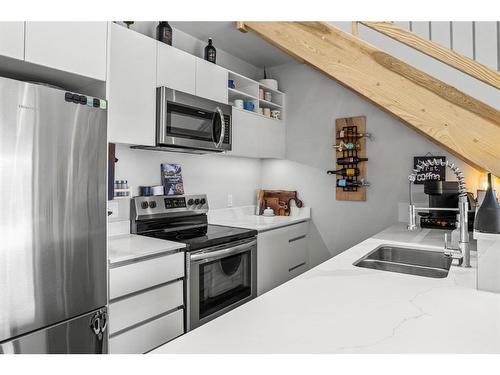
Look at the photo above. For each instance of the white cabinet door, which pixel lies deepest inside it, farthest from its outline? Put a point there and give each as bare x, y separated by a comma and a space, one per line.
272, 138
75, 47
256, 136
131, 87
271, 261
211, 81
176, 69
12, 39
282, 254
245, 139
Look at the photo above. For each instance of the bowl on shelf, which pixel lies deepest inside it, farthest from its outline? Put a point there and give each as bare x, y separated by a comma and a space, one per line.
272, 83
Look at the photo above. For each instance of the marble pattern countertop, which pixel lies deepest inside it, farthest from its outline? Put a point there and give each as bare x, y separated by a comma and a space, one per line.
244, 217
339, 308
127, 247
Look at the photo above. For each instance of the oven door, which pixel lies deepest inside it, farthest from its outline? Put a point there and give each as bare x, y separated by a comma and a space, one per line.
220, 279
191, 122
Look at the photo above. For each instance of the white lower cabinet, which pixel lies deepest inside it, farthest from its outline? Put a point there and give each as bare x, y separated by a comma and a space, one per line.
146, 337
257, 136
146, 306
282, 254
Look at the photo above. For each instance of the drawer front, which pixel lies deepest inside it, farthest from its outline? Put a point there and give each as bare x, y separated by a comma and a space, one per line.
140, 307
298, 230
297, 257
148, 336
145, 274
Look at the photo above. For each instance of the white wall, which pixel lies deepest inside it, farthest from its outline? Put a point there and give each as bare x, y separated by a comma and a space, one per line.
313, 103
215, 175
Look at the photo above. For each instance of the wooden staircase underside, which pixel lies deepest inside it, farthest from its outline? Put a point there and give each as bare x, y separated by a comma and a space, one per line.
452, 119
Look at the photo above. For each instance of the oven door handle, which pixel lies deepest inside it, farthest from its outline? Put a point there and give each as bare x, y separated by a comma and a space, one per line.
218, 112
224, 252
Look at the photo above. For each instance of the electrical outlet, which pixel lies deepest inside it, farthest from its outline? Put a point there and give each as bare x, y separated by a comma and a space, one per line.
113, 210
230, 200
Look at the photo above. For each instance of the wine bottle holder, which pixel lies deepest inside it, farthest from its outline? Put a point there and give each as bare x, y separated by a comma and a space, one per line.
351, 127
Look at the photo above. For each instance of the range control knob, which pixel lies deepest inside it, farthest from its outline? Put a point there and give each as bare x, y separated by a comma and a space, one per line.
190, 202
144, 205
152, 204
197, 201
203, 201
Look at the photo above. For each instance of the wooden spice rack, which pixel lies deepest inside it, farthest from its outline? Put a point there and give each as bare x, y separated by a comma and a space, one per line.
352, 126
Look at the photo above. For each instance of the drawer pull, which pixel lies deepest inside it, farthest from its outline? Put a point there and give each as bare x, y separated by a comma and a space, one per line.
297, 266
297, 238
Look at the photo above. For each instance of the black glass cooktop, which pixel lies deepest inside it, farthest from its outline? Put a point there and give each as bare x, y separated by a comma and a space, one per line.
203, 236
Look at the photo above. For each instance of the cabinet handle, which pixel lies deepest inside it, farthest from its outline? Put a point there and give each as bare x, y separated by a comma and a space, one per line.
297, 238
297, 266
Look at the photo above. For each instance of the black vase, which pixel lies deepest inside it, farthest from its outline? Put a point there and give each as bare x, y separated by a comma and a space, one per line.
488, 216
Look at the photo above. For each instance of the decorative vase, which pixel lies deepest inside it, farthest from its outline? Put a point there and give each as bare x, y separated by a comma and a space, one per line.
488, 216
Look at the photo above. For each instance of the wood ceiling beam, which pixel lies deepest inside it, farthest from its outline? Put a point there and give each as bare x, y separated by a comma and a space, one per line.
457, 122
434, 50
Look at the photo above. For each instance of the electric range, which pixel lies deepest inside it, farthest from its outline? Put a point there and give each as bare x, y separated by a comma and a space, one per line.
221, 261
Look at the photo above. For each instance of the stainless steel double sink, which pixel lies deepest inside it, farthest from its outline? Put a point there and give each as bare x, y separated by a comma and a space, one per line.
413, 261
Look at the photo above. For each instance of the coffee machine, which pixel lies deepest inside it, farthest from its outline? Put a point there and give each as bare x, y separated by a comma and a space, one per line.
444, 194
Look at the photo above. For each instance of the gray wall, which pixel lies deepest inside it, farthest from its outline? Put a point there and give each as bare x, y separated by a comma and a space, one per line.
313, 103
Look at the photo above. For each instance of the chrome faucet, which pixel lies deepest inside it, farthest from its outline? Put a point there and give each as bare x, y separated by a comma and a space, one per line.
462, 252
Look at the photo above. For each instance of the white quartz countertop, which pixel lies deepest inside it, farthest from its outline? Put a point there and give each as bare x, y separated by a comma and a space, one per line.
339, 308
244, 217
128, 247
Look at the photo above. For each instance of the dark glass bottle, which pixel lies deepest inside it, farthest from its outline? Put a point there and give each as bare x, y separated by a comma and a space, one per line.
210, 52
164, 32
346, 172
350, 160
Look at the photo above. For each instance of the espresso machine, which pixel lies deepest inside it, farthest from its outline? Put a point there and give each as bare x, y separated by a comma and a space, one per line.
444, 194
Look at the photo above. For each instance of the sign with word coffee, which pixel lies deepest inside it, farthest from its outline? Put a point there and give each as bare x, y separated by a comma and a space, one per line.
432, 172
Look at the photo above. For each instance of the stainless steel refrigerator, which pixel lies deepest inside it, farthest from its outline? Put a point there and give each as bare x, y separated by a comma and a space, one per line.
53, 284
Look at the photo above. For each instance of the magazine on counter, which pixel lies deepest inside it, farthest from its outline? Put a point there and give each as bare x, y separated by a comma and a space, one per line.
171, 178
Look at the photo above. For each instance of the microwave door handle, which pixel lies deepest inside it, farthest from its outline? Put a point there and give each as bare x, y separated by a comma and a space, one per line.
218, 112
224, 252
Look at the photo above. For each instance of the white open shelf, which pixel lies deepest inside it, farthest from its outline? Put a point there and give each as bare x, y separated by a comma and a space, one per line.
248, 89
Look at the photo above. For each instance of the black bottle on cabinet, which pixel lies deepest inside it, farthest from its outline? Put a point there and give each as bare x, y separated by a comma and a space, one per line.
210, 52
164, 32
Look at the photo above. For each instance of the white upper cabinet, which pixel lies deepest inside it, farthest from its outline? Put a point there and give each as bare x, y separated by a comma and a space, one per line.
76, 47
12, 39
176, 69
131, 87
211, 81
257, 136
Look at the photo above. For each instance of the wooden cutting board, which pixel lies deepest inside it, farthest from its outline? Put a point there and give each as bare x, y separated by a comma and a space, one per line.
279, 201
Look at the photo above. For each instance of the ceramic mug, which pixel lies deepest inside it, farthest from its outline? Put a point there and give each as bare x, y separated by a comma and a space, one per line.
276, 114
267, 112
268, 96
238, 103
248, 105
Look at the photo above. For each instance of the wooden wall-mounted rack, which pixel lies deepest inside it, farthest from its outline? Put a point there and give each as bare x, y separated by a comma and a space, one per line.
350, 146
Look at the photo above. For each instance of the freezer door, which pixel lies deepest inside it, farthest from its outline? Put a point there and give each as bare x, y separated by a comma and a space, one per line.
52, 208
75, 336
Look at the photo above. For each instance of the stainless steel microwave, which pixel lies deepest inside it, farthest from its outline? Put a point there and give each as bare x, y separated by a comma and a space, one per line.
189, 123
